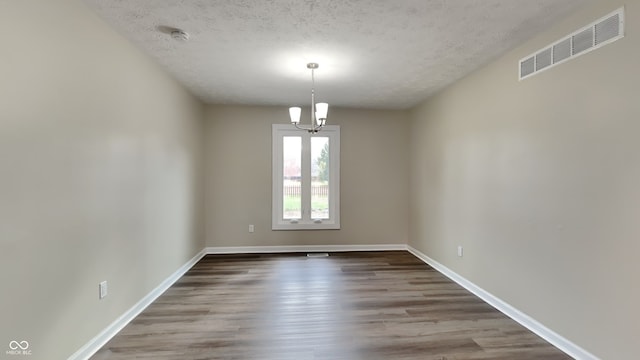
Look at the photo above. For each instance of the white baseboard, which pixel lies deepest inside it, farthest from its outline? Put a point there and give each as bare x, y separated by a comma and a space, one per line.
110, 331
560, 342
303, 248
525, 320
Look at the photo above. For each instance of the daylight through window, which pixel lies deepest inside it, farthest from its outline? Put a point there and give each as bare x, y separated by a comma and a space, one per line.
306, 178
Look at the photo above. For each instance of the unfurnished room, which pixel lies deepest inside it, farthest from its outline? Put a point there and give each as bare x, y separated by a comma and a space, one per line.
319, 179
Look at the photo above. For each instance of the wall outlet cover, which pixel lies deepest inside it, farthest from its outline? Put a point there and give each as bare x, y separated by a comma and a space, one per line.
103, 289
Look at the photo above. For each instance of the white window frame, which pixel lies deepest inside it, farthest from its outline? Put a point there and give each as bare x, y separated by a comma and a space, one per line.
305, 223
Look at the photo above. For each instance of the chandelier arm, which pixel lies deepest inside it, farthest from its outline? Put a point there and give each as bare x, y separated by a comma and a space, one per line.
310, 130
300, 127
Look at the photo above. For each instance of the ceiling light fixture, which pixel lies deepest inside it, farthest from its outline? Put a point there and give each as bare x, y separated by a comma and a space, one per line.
318, 111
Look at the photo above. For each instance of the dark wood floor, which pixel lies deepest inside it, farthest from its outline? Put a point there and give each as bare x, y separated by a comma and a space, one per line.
365, 305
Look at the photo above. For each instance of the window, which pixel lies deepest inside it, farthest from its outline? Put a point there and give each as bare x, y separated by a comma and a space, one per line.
306, 178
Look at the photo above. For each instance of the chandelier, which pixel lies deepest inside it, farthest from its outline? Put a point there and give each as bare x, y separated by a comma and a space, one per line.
318, 111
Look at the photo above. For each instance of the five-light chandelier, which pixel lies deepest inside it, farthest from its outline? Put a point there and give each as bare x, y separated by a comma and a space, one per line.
318, 111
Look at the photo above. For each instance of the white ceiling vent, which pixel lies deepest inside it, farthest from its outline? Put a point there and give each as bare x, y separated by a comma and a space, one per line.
601, 32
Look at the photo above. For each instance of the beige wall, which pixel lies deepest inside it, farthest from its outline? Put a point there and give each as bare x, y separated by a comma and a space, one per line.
99, 157
538, 180
374, 178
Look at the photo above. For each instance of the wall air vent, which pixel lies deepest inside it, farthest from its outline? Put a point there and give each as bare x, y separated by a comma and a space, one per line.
608, 29
528, 66
562, 50
543, 59
601, 32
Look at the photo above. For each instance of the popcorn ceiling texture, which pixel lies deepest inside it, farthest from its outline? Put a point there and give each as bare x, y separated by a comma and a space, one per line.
372, 53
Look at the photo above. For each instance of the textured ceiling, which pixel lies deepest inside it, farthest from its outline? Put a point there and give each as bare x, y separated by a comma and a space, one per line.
372, 53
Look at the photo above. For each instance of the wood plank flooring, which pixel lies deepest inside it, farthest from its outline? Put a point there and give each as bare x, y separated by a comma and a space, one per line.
362, 305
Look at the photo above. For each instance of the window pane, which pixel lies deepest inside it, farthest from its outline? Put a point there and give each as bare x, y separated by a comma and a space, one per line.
292, 177
320, 177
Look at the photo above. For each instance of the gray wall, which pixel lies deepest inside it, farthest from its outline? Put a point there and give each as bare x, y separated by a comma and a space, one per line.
100, 156
538, 180
373, 169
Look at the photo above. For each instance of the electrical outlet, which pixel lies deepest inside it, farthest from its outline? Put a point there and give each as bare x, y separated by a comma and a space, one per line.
251, 228
103, 289
460, 251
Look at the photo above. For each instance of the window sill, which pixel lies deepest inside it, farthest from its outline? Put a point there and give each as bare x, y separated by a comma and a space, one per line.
306, 226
